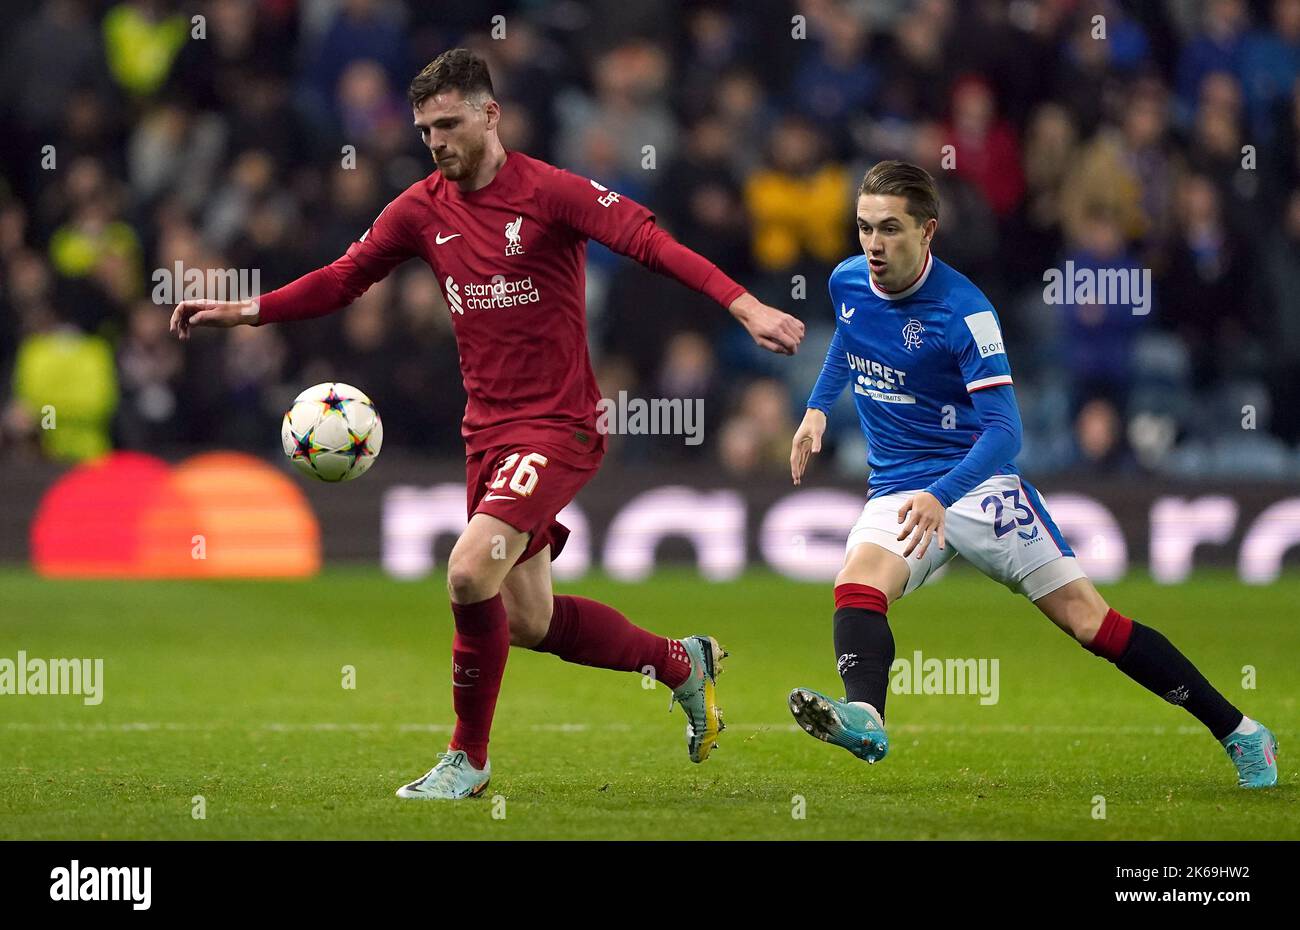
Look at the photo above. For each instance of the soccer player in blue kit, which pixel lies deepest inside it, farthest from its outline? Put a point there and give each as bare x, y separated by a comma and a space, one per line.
922, 347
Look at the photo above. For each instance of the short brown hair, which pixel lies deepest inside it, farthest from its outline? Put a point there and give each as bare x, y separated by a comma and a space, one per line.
455, 69
903, 179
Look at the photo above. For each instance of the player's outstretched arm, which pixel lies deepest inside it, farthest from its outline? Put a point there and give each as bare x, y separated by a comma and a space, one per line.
772, 329
220, 313
315, 294
385, 245
807, 440
629, 229
830, 384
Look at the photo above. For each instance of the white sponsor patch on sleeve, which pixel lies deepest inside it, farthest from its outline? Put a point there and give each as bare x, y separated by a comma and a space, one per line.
988, 336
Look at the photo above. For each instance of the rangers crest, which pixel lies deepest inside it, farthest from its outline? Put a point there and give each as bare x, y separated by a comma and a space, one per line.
912, 335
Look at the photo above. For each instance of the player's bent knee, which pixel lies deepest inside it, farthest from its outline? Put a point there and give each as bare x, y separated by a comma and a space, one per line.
871, 579
873, 565
465, 585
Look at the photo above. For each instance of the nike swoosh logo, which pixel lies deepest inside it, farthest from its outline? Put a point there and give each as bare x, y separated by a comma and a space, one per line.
498, 497
457, 684
440, 240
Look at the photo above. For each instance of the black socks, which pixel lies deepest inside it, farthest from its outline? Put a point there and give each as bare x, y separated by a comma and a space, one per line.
1144, 655
864, 651
1157, 665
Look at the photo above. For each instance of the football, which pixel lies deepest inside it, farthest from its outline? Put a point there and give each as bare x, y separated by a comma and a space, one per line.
332, 432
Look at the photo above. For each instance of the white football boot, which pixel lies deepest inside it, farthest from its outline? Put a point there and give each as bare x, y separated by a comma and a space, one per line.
453, 778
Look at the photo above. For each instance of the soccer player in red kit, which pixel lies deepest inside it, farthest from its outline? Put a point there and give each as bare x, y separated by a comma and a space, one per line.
506, 235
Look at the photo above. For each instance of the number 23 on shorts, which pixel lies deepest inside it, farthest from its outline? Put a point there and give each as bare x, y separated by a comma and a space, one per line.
1023, 515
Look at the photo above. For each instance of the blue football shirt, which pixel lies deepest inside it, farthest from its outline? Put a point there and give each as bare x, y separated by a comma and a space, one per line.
914, 358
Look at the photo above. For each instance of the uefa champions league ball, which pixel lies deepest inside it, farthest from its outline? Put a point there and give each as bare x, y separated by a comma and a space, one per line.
332, 432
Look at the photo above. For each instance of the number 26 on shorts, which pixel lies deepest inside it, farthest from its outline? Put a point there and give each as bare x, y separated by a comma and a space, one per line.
523, 481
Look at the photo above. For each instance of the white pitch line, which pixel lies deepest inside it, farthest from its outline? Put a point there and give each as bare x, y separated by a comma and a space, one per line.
906, 729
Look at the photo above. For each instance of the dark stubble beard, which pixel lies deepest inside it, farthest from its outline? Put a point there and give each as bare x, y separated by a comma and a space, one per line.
467, 163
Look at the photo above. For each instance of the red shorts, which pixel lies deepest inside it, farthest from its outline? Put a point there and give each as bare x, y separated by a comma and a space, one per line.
527, 485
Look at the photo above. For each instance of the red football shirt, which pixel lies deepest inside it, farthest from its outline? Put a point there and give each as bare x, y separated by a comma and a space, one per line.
511, 261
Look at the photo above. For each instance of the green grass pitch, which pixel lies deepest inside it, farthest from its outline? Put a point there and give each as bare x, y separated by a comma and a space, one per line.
233, 691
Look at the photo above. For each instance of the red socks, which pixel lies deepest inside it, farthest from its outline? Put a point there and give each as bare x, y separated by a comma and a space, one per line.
861, 595
582, 631
478, 653
588, 632
1112, 636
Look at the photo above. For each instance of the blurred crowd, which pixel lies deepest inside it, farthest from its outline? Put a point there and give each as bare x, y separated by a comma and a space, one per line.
267, 135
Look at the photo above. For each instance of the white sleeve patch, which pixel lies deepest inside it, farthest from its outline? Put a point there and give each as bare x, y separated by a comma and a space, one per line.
988, 336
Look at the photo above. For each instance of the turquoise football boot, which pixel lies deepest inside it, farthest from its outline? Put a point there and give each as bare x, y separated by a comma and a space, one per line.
1255, 757
841, 723
453, 778
698, 695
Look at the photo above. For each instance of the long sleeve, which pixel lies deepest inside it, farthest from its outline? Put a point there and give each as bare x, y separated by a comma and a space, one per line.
998, 444
660, 252
316, 293
381, 248
629, 228
835, 374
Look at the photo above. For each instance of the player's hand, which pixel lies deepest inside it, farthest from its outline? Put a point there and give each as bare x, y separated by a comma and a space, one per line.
807, 440
924, 516
771, 328
223, 313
